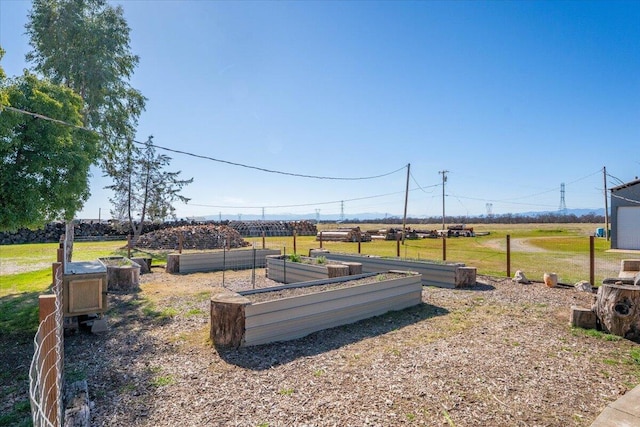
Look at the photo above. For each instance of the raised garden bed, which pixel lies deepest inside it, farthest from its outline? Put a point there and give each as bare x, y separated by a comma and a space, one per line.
442, 275
295, 269
237, 259
293, 311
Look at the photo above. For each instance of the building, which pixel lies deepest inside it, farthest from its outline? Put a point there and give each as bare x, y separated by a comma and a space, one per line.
625, 216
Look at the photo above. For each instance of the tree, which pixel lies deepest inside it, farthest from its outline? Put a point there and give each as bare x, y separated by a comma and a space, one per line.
84, 45
44, 166
143, 189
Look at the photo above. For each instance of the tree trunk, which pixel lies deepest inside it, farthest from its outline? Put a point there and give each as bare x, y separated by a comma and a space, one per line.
618, 309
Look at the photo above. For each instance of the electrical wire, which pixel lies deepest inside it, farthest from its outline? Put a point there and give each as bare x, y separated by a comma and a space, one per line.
199, 156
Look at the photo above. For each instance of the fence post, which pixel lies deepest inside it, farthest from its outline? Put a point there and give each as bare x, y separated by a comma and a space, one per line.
592, 264
253, 270
284, 265
294, 242
321, 240
398, 245
444, 247
181, 242
129, 245
508, 255
49, 366
359, 243
224, 259
264, 246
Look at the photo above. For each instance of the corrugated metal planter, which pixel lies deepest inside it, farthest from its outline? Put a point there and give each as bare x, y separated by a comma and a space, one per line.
281, 269
218, 260
235, 321
453, 275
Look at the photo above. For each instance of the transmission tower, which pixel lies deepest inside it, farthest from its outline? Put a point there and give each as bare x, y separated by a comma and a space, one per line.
563, 205
489, 210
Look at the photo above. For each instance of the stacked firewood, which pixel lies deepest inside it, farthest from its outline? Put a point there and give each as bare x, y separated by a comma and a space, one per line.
205, 236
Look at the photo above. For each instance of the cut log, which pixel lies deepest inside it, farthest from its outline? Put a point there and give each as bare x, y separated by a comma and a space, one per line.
227, 318
337, 270
583, 318
354, 267
618, 309
173, 263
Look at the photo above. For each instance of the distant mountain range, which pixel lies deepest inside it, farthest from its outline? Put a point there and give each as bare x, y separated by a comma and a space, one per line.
369, 216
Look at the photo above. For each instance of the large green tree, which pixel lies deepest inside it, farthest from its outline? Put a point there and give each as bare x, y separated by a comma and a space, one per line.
44, 165
143, 189
84, 45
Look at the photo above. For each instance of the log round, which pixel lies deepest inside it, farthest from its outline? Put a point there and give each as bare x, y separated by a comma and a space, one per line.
618, 309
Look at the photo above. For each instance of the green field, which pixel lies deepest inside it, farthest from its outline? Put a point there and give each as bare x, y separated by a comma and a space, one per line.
25, 270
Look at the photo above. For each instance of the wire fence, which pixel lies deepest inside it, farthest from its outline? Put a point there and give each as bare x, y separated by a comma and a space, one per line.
572, 261
45, 372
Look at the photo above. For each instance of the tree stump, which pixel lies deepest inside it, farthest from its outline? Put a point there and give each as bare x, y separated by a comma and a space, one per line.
227, 318
337, 270
618, 309
173, 263
354, 267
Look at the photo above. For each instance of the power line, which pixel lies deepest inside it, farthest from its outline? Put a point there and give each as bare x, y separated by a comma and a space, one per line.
199, 156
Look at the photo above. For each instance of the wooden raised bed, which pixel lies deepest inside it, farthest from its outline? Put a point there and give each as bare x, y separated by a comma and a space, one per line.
236, 321
452, 275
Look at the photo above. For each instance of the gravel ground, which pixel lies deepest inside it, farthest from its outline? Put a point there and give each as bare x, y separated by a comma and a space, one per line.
498, 354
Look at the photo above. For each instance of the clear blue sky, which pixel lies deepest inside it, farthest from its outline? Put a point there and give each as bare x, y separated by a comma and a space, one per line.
512, 98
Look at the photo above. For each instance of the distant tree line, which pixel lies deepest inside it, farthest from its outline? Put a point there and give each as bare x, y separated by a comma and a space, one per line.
546, 218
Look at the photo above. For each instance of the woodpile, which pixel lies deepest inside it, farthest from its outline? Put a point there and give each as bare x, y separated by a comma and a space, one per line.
344, 235
205, 236
273, 228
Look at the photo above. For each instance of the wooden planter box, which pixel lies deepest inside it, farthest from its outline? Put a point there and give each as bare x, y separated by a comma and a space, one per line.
238, 259
84, 288
454, 275
281, 269
235, 321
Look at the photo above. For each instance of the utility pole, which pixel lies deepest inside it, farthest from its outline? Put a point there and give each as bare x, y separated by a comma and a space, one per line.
263, 214
317, 216
444, 179
606, 205
342, 211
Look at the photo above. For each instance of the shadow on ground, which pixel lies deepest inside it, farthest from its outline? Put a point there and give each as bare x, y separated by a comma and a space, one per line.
266, 356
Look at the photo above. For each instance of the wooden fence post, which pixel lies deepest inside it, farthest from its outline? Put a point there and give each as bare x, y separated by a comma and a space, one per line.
508, 255
359, 243
294, 241
444, 247
398, 245
181, 242
264, 246
129, 245
592, 265
321, 240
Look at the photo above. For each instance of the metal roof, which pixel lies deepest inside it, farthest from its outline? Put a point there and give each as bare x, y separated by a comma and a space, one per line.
628, 184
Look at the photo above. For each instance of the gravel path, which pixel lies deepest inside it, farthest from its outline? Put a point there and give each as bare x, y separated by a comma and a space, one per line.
497, 354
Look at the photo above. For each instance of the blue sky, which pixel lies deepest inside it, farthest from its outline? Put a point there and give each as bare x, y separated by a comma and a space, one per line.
512, 98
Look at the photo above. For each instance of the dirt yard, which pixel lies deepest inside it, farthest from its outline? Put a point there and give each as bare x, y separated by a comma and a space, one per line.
498, 354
